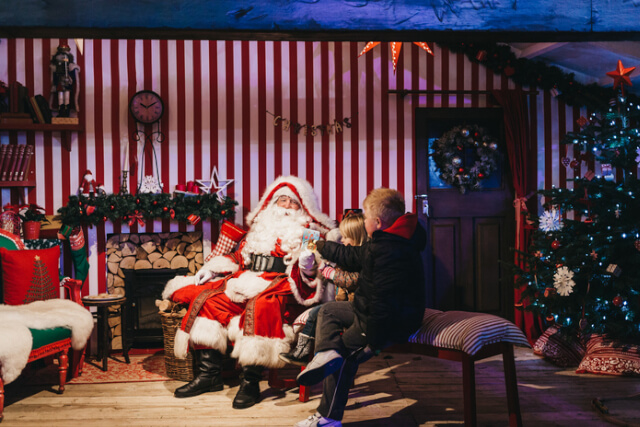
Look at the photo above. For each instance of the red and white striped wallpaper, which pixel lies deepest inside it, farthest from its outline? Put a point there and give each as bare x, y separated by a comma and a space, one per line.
219, 96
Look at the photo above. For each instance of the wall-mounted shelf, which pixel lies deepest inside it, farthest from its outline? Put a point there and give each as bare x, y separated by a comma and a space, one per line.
45, 127
27, 183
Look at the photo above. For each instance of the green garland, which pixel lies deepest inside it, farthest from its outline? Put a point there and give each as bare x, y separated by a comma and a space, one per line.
464, 156
83, 210
536, 74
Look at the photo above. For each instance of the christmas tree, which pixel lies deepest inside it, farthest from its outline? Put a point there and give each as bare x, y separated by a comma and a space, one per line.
42, 288
582, 270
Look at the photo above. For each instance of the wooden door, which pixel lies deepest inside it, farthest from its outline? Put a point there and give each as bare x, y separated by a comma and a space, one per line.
468, 233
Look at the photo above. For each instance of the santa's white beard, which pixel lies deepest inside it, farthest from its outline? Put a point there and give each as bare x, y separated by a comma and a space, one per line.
272, 224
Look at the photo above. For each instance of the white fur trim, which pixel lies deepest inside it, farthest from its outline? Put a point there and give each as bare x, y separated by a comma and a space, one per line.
309, 201
221, 264
314, 283
233, 330
16, 340
176, 283
246, 286
209, 333
181, 344
263, 351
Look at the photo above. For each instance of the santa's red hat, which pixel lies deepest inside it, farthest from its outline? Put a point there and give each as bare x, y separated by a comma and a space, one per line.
87, 172
301, 191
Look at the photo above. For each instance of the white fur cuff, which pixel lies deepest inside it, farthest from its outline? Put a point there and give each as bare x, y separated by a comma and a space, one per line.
176, 283
221, 264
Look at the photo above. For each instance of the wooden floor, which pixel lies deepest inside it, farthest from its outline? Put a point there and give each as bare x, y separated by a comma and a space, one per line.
391, 390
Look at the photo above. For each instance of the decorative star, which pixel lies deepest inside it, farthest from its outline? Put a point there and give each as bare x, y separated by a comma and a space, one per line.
620, 76
594, 254
395, 50
215, 184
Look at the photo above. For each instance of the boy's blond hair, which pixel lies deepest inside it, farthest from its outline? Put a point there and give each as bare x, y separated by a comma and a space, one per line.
384, 203
352, 226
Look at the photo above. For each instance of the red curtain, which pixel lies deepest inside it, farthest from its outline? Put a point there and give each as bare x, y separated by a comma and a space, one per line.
519, 151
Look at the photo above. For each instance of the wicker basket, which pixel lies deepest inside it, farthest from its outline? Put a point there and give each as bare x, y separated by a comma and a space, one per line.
178, 369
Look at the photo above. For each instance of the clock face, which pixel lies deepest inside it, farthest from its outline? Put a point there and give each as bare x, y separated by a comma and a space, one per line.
146, 107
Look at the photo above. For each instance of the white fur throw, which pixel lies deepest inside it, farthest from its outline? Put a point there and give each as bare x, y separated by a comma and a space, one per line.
16, 340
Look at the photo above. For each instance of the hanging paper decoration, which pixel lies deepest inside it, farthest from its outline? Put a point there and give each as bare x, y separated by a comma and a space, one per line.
550, 221
395, 50
563, 281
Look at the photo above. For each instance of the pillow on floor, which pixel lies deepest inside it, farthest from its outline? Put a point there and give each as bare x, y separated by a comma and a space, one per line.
30, 275
610, 358
559, 349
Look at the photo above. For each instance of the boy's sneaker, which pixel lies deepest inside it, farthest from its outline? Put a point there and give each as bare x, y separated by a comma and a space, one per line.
317, 420
323, 364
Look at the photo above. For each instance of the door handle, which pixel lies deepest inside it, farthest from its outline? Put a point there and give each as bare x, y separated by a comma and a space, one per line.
425, 203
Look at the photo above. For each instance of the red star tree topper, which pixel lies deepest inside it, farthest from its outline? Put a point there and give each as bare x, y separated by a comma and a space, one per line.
620, 76
395, 50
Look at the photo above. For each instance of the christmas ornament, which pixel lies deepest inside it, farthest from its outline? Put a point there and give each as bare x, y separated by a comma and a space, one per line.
582, 121
550, 221
89, 209
481, 55
565, 161
193, 219
555, 244
548, 292
614, 270
594, 255
620, 76
617, 301
136, 217
395, 50
589, 175
150, 184
563, 281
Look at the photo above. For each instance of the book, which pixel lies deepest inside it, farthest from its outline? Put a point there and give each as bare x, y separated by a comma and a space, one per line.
36, 108
65, 120
44, 108
14, 161
28, 107
310, 238
15, 173
26, 163
6, 162
3, 152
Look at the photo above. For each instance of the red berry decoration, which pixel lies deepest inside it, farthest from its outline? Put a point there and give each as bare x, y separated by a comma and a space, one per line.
113, 208
155, 202
164, 209
617, 301
138, 201
555, 244
104, 219
223, 212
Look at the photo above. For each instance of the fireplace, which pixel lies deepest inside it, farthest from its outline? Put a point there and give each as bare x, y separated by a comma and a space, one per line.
143, 288
138, 267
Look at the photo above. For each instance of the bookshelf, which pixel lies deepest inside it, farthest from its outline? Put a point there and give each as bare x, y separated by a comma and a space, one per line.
45, 127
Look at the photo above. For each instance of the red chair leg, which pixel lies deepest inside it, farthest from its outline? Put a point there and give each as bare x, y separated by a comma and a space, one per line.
1, 399
63, 360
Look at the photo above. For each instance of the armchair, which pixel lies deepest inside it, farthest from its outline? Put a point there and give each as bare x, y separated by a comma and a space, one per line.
45, 328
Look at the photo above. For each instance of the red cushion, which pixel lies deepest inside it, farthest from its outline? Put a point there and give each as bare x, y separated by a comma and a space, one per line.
30, 275
610, 358
559, 349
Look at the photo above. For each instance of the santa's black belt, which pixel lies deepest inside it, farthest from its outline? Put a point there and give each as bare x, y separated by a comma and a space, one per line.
267, 263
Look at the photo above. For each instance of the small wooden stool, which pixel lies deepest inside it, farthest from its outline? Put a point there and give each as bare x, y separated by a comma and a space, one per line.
104, 345
467, 337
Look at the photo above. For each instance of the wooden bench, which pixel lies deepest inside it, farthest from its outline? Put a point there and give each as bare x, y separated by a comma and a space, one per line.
463, 337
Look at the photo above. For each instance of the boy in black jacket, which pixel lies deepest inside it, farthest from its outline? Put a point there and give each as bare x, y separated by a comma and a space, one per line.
388, 305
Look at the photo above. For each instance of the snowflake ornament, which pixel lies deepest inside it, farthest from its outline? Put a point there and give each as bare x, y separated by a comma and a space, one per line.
150, 185
563, 281
550, 221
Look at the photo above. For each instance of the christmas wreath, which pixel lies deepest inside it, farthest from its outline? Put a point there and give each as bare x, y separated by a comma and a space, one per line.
464, 156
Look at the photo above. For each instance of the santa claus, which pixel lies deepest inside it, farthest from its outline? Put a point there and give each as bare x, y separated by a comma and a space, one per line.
238, 297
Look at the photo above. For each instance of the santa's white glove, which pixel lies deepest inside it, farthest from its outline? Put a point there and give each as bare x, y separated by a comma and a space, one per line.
307, 262
203, 276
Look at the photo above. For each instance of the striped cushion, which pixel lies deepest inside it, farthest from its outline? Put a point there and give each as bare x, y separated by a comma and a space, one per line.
465, 331
302, 319
610, 358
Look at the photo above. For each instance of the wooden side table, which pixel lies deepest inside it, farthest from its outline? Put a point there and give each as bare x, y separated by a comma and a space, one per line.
104, 345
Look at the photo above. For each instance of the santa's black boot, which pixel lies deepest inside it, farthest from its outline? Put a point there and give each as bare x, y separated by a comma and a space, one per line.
249, 393
208, 375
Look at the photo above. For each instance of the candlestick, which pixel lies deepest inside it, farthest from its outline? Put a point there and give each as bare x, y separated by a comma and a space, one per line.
123, 183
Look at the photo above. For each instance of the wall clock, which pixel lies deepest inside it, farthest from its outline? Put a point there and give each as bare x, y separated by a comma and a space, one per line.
146, 107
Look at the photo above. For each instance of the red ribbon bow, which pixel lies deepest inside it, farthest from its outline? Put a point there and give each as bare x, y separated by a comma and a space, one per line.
136, 217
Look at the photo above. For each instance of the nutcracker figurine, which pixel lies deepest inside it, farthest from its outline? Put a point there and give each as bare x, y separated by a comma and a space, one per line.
64, 81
